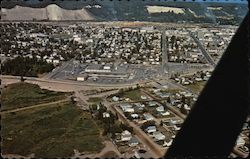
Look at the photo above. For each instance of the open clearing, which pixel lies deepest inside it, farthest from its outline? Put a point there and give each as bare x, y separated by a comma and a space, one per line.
51, 12
22, 94
95, 100
132, 94
162, 9
50, 131
197, 87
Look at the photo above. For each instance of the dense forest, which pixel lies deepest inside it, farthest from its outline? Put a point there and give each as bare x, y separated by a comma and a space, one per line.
25, 66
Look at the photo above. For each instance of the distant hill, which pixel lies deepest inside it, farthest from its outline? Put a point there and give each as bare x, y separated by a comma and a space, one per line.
134, 10
50, 12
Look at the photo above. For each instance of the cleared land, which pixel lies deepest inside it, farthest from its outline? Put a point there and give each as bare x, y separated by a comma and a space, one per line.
51, 12
133, 94
162, 9
95, 100
51, 131
197, 87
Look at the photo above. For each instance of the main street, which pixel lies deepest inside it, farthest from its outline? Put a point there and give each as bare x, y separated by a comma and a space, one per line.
164, 43
203, 50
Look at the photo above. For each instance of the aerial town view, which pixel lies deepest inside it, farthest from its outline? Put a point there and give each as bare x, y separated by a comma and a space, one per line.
92, 79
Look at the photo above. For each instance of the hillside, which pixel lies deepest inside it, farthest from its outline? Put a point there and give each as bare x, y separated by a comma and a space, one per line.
194, 12
50, 12
48, 130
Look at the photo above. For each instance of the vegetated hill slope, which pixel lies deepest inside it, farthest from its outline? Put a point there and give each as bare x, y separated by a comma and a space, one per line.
136, 10
50, 131
51, 12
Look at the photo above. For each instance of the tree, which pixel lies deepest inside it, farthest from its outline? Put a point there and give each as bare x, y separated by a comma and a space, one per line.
183, 110
72, 99
22, 78
147, 124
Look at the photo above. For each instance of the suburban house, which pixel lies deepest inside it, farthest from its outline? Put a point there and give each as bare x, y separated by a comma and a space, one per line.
150, 129
133, 142
148, 116
126, 135
127, 108
160, 109
158, 136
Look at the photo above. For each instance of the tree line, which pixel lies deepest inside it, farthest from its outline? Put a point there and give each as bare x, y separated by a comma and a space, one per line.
25, 66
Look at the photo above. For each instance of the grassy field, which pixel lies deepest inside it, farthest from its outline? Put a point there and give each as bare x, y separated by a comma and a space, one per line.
95, 100
133, 94
51, 131
197, 87
22, 94
170, 91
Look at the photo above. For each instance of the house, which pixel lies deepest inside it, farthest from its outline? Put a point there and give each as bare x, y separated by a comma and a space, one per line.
127, 108
158, 136
165, 113
139, 107
143, 97
56, 61
135, 116
175, 121
152, 103
160, 109
186, 107
164, 95
126, 135
176, 128
106, 115
115, 98
240, 141
167, 143
150, 129
148, 117
133, 142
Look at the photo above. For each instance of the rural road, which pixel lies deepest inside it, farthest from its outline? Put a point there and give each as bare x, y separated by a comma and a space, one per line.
34, 106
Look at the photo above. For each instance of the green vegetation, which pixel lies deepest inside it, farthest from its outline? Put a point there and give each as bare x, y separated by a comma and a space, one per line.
196, 87
51, 131
111, 125
25, 66
134, 94
170, 91
22, 94
95, 100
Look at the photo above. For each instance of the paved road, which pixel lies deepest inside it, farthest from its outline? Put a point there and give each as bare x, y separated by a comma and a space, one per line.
164, 43
203, 50
68, 82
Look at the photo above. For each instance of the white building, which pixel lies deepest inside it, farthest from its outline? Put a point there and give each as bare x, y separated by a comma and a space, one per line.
82, 77
148, 117
106, 115
158, 136
126, 135
151, 129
